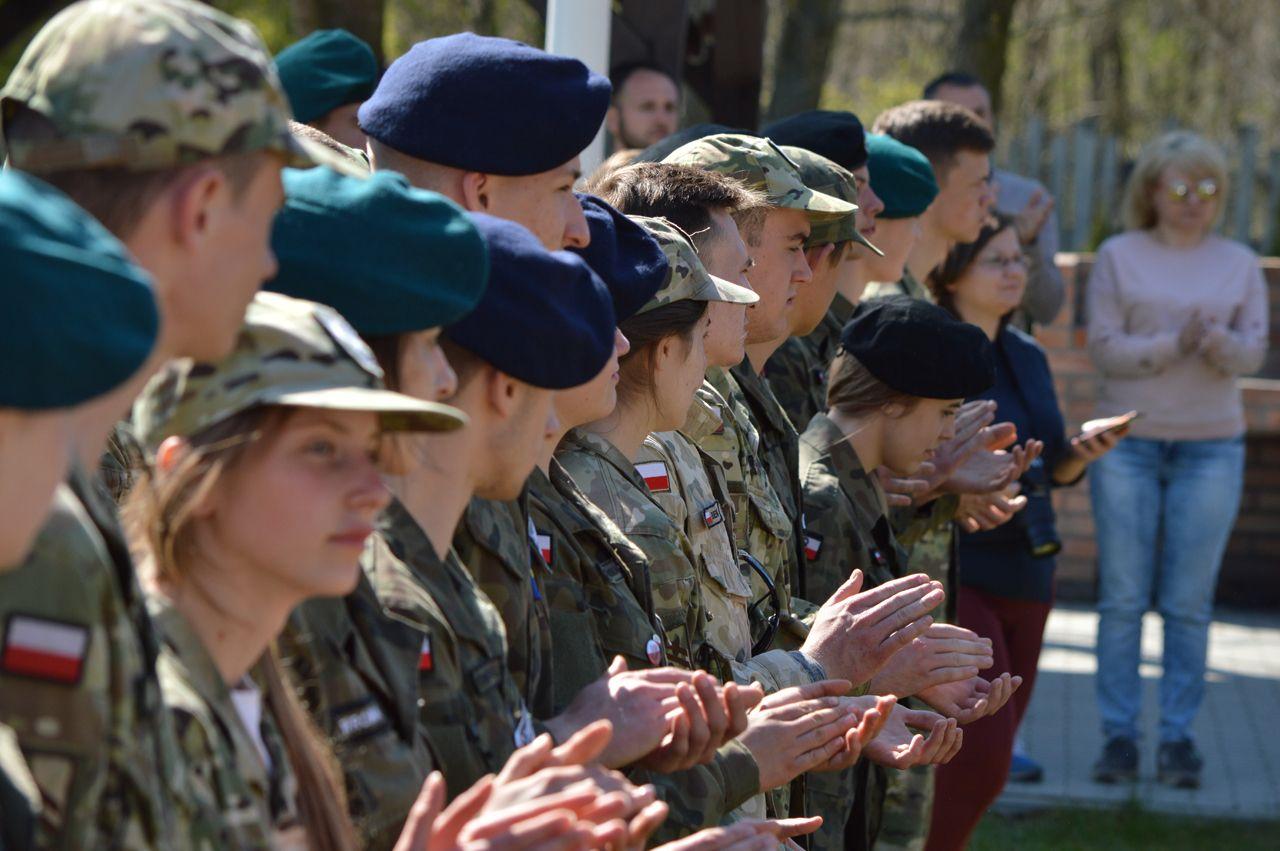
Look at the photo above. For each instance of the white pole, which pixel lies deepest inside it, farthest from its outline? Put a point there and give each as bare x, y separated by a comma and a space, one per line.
580, 28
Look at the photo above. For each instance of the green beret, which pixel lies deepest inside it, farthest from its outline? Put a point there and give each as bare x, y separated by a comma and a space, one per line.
326, 70
390, 258
901, 176
80, 318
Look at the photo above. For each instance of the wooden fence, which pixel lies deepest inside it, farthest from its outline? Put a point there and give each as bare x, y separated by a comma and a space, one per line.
1085, 170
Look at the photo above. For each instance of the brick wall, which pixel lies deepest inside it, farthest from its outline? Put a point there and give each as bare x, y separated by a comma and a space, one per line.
1251, 570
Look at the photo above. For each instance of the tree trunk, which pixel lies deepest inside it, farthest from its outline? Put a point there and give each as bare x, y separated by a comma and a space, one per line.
804, 55
982, 45
362, 18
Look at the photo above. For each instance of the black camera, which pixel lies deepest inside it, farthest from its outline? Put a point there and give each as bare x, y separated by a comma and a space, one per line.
1037, 519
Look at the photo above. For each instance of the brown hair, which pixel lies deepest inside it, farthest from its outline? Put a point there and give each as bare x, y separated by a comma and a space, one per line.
854, 391
118, 197
962, 256
938, 129
1181, 149
645, 331
683, 194
160, 514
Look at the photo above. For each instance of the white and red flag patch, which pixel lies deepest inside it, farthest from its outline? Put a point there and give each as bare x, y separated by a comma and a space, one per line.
812, 545
425, 662
655, 476
543, 542
44, 649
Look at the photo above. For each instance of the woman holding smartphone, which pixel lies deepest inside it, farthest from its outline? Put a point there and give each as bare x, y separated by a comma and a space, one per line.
1006, 572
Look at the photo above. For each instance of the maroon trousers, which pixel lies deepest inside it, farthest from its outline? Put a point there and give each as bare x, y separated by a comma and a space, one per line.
971, 782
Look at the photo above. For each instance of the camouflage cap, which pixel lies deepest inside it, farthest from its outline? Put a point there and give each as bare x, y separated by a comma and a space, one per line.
762, 166
830, 178
289, 352
689, 279
146, 85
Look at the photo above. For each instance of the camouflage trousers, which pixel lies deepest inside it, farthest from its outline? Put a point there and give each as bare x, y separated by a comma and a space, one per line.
908, 807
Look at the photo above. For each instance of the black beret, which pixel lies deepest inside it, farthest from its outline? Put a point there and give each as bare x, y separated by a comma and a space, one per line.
485, 104
919, 349
428, 264
545, 319
629, 261
658, 151
834, 134
80, 317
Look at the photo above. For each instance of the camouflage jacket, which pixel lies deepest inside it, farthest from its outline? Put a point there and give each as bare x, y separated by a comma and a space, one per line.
848, 527
686, 494
495, 542
258, 805
470, 711
78, 687
908, 285
597, 589
797, 371
760, 523
614, 484
19, 796
779, 454
355, 670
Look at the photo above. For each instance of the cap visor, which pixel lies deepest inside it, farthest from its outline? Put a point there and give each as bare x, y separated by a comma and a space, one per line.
396, 411
308, 153
859, 238
821, 206
732, 293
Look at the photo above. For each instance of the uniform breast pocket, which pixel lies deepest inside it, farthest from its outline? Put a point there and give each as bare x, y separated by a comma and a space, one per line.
625, 626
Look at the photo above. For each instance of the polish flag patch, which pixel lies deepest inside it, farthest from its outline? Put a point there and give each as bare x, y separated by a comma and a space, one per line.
44, 649
712, 515
655, 476
543, 543
425, 662
812, 545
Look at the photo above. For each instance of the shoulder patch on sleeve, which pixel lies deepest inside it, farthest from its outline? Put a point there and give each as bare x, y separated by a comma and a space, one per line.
655, 476
44, 649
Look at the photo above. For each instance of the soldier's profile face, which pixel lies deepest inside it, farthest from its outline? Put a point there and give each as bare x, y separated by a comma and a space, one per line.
780, 269
596, 399
297, 506
544, 203
911, 438
869, 205
342, 124
424, 371
964, 197
35, 452
896, 238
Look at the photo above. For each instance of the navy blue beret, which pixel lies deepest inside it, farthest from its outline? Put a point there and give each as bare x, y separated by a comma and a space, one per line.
545, 319
834, 134
657, 152
919, 349
80, 318
326, 70
621, 252
485, 104
389, 257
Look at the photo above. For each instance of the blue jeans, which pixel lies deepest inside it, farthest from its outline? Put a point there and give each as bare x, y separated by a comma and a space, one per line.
1163, 511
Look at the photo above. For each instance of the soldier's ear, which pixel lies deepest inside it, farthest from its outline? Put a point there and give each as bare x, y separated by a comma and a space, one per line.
194, 200
476, 190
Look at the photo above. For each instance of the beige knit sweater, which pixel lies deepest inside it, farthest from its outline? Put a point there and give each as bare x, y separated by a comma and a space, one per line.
1140, 295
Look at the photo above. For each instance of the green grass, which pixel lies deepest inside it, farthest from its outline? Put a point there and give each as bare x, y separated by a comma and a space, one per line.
1112, 830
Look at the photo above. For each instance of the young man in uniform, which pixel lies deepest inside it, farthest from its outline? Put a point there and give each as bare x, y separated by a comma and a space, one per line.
184, 167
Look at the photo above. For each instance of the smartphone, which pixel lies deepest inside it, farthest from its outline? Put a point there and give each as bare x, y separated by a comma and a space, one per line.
1113, 425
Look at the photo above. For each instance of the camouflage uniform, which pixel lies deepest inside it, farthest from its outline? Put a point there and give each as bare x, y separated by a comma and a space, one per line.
494, 541
19, 796
849, 529
600, 600
354, 669
470, 711
142, 85
92, 727
258, 805
597, 589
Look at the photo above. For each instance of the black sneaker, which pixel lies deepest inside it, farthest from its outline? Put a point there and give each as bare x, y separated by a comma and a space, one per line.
1118, 763
1179, 764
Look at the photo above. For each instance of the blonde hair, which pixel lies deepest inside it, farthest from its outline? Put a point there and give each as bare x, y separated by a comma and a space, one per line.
1181, 149
160, 514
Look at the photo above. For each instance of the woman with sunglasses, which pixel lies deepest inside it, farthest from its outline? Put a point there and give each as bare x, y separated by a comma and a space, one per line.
1176, 313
